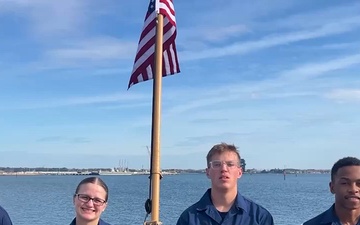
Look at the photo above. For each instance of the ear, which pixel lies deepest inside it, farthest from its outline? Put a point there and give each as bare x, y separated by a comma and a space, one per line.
104, 207
240, 172
207, 173
331, 187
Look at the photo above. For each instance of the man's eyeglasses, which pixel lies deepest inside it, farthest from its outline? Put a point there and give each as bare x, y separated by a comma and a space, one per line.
86, 198
217, 164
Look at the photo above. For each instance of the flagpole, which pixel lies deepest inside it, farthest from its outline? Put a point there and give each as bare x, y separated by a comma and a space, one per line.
156, 122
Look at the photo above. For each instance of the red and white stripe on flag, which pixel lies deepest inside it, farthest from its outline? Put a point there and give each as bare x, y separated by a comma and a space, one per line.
144, 64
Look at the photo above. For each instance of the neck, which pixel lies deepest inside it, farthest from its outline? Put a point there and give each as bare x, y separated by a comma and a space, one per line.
82, 222
223, 200
346, 216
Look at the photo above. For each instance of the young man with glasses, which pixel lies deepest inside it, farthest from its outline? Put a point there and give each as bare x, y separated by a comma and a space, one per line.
4, 217
222, 203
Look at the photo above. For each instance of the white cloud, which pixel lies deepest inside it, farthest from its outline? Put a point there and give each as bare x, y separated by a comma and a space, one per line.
221, 33
124, 97
339, 46
315, 69
50, 17
212, 33
96, 49
235, 10
274, 40
264, 89
315, 18
344, 95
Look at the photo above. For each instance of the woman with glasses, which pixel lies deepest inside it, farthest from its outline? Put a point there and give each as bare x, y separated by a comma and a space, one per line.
90, 200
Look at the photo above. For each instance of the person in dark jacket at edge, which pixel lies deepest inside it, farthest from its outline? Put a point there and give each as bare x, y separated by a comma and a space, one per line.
4, 217
345, 185
222, 203
90, 201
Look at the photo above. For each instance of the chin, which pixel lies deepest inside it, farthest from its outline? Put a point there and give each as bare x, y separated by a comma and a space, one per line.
88, 217
224, 187
352, 207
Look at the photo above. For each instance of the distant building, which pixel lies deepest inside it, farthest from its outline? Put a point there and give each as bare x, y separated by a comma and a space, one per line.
243, 164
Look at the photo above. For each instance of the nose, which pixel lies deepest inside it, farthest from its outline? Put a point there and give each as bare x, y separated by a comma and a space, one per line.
90, 202
224, 166
354, 188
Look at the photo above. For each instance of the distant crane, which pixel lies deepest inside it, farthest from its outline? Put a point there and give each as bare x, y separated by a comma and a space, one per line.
149, 152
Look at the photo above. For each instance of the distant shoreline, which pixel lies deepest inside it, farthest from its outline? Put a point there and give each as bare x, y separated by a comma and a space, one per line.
17, 171
75, 173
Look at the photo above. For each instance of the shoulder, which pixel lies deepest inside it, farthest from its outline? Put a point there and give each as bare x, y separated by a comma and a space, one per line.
255, 210
4, 217
190, 210
102, 222
200, 205
73, 222
3, 211
190, 213
316, 220
327, 217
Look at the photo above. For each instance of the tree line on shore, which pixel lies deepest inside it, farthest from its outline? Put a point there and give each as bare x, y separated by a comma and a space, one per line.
65, 169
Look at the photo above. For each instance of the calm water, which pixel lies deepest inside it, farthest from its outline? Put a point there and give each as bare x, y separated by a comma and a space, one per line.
44, 200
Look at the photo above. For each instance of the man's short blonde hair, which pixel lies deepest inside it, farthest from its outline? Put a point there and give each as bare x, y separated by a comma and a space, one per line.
221, 148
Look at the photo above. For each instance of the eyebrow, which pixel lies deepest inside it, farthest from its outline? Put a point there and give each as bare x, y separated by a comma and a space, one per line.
92, 197
348, 179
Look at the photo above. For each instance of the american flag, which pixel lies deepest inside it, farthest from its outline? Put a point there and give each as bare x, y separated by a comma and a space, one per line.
144, 65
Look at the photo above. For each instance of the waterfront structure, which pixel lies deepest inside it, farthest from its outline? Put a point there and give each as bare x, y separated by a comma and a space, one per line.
243, 164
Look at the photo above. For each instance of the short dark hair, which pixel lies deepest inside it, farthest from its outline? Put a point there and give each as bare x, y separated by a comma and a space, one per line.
347, 161
220, 148
94, 180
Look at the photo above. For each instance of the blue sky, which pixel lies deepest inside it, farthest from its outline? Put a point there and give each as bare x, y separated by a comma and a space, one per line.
280, 80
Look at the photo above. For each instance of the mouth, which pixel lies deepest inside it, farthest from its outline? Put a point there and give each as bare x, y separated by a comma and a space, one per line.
224, 177
353, 198
87, 210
